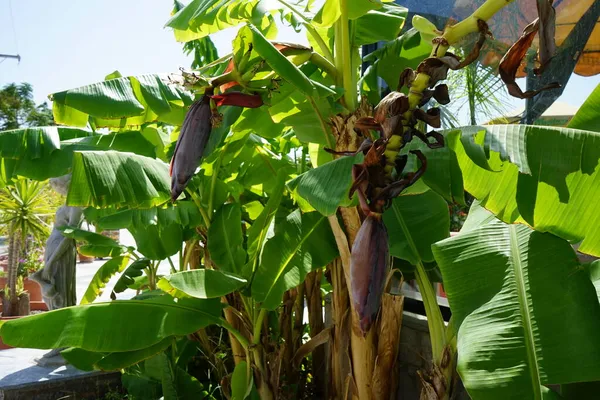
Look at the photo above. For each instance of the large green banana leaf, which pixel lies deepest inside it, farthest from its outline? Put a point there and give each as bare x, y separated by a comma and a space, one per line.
545, 177
326, 187
46, 152
36, 142
382, 24
201, 283
201, 18
102, 276
183, 213
121, 325
226, 240
588, 117
122, 101
112, 178
525, 310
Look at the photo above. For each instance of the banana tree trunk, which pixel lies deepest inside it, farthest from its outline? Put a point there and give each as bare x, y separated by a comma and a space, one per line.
341, 366
372, 369
312, 286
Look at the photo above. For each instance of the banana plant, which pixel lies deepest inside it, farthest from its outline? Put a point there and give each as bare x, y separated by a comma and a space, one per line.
289, 176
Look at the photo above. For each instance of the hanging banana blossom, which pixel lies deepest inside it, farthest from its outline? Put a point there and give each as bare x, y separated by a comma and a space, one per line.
370, 249
195, 133
190, 146
381, 178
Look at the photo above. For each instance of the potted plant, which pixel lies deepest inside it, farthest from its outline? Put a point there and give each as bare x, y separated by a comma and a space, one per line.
32, 262
23, 303
24, 210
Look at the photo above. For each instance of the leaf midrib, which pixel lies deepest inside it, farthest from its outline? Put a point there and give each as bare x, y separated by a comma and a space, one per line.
517, 265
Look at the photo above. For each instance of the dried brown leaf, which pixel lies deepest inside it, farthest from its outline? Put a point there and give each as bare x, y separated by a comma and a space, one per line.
431, 117
511, 61
484, 31
427, 390
437, 68
389, 113
440, 94
395, 103
390, 323
321, 338
406, 78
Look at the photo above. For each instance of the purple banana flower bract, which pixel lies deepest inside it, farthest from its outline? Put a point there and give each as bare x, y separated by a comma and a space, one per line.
368, 268
191, 144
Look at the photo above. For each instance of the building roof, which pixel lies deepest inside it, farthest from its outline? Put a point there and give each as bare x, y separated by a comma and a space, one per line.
557, 109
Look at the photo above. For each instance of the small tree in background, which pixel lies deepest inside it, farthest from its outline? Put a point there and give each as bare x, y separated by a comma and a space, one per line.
18, 110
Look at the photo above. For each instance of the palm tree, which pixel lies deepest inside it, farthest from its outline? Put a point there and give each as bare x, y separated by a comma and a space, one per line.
479, 88
23, 211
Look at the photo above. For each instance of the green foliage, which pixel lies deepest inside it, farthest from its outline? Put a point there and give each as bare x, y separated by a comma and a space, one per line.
239, 382
382, 24
47, 152
121, 325
128, 276
498, 278
539, 185
17, 108
203, 17
255, 218
204, 52
288, 107
587, 116
415, 222
225, 244
201, 283
96, 245
280, 64
122, 101
102, 276
326, 188
257, 233
25, 209
389, 61
301, 243
110, 178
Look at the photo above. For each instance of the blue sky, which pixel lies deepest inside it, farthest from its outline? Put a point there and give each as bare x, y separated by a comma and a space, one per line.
68, 43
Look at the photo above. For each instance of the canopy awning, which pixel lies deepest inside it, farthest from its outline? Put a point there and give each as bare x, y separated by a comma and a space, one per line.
509, 23
577, 38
